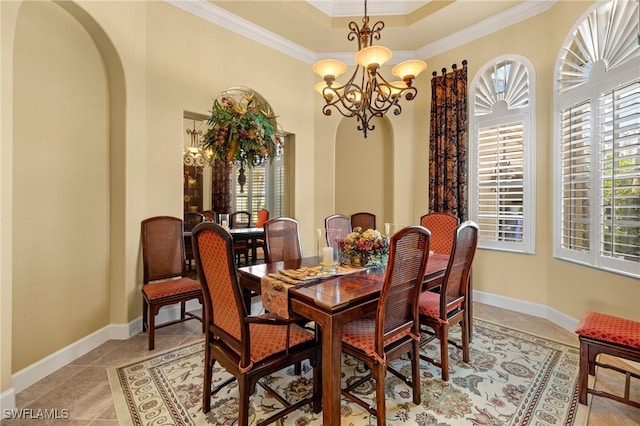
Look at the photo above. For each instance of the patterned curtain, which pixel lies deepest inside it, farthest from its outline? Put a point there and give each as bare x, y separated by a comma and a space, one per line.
448, 143
221, 187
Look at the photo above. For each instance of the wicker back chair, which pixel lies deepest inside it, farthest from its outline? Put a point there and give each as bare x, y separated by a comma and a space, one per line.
248, 347
393, 331
439, 311
164, 281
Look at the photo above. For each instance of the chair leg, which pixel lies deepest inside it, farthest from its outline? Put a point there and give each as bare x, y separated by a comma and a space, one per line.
208, 374
444, 351
415, 376
379, 371
466, 337
145, 314
243, 413
151, 329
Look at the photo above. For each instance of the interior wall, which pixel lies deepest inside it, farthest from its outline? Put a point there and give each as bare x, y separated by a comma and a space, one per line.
188, 64
363, 168
539, 278
61, 185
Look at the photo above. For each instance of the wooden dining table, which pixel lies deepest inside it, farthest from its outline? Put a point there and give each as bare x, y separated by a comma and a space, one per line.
250, 235
331, 303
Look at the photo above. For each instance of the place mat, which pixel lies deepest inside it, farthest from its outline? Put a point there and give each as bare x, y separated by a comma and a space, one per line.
275, 287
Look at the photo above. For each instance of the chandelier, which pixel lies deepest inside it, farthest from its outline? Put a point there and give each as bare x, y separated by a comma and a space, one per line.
195, 154
367, 94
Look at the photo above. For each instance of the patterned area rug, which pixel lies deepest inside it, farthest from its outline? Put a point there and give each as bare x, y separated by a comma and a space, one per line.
513, 378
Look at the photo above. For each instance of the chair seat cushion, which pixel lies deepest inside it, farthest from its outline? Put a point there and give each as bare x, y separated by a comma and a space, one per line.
361, 334
429, 305
160, 290
267, 339
608, 328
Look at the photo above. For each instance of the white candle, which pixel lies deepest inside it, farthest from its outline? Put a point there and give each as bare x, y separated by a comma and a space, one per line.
224, 223
327, 256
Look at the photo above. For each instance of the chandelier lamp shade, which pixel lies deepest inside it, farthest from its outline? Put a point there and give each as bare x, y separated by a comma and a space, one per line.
367, 93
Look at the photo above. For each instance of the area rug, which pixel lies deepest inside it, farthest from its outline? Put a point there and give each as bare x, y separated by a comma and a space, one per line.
513, 378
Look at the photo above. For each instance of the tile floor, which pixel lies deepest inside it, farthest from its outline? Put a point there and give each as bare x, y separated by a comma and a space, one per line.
83, 389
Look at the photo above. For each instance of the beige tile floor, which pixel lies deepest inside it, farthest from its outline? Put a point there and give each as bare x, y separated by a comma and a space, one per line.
82, 386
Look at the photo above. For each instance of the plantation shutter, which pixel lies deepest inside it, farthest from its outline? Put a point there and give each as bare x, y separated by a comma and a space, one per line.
500, 182
619, 166
575, 174
258, 191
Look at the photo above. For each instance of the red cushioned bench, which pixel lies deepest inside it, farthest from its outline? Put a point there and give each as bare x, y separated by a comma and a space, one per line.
607, 334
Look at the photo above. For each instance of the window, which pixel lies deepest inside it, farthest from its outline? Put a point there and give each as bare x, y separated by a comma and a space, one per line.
502, 187
265, 186
597, 142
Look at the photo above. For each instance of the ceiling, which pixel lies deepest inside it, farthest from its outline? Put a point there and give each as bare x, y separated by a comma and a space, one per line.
315, 29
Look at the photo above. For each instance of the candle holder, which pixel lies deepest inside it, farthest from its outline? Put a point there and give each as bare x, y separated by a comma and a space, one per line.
224, 220
329, 256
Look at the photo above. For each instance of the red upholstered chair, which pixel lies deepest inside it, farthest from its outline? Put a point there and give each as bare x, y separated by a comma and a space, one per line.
282, 240
363, 220
392, 330
263, 216
337, 227
248, 347
443, 227
441, 310
164, 281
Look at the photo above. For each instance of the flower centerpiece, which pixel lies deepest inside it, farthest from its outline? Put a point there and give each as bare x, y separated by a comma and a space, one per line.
365, 248
242, 130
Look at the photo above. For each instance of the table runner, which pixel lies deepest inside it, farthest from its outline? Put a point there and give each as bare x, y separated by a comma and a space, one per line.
275, 287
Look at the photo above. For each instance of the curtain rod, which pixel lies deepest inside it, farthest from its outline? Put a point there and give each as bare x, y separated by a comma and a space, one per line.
454, 67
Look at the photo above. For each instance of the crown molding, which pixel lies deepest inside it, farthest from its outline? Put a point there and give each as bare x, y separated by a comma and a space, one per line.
347, 8
216, 15
525, 10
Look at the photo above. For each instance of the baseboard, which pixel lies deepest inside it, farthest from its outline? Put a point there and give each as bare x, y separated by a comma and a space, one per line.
42, 368
7, 400
529, 308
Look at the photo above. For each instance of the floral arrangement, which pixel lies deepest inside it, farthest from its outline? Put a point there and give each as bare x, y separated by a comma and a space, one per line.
242, 130
366, 248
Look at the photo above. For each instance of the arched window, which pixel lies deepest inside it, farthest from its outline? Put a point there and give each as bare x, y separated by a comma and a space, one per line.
502, 163
597, 141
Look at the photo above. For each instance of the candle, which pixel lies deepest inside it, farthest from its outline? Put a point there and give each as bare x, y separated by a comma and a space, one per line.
327, 256
224, 224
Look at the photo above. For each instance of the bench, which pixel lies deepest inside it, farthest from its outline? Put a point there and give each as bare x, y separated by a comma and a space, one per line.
607, 334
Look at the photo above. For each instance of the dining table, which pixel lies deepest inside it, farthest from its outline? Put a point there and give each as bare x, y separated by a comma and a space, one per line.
331, 302
250, 235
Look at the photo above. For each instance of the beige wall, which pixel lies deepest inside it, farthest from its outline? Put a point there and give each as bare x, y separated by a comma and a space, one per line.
61, 188
132, 110
539, 278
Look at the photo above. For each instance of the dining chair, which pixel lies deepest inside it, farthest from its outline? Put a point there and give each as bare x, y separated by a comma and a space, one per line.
363, 220
263, 216
210, 215
164, 280
393, 330
240, 219
248, 347
439, 311
282, 240
443, 227
337, 227
191, 219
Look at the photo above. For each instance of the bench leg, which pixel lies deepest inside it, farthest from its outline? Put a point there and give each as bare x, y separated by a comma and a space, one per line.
584, 372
